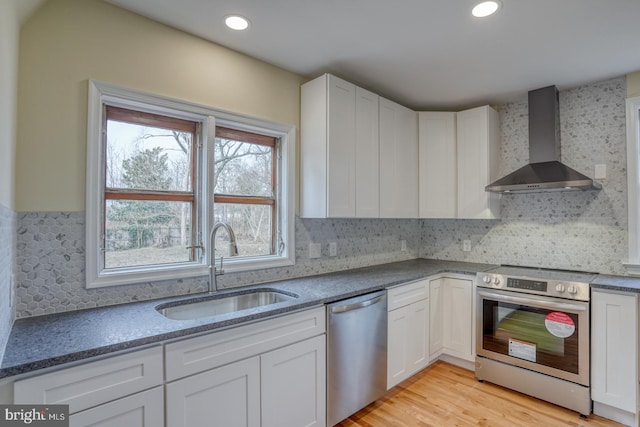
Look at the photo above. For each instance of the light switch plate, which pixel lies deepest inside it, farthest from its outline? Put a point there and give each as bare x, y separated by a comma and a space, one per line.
403, 245
600, 172
315, 250
333, 249
466, 245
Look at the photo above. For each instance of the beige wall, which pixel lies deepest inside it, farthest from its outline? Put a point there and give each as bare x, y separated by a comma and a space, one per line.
9, 30
633, 84
67, 42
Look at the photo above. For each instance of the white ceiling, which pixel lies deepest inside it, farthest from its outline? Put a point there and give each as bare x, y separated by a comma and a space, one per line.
424, 53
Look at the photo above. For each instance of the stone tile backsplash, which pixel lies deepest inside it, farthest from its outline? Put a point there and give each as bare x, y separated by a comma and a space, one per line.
578, 230
7, 256
567, 230
51, 257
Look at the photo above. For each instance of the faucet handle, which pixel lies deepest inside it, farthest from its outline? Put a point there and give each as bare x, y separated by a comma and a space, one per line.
221, 271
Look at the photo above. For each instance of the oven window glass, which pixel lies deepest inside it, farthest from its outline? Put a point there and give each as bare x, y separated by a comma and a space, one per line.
542, 336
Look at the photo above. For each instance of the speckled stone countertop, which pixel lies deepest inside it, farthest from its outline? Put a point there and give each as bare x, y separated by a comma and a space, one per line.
50, 340
616, 283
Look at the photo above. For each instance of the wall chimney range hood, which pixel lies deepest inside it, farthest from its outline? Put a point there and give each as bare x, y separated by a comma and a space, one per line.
544, 172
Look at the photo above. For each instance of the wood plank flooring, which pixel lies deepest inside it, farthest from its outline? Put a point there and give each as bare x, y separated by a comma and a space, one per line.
447, 395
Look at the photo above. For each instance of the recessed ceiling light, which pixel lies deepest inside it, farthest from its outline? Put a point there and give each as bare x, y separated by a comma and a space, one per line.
237, 22
485, 8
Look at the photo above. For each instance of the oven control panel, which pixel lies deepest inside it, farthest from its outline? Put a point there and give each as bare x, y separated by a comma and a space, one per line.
531, 285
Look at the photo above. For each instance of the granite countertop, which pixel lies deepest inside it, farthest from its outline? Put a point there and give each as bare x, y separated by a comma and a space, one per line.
50, 340
616, 283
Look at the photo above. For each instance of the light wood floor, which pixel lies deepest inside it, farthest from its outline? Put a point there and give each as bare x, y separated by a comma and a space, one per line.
446, 395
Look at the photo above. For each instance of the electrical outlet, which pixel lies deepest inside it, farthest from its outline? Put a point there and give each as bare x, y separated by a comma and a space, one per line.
315, 250
403, 245
333, 249
466, 245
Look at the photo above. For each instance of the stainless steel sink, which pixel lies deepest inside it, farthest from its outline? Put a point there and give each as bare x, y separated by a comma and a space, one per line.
217, 305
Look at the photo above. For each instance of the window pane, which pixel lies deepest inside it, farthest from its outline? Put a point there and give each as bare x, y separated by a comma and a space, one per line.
242, 168
148, 158
251, 225
142, 232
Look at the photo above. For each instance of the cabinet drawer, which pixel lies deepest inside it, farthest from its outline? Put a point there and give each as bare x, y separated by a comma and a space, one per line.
209, 351
93, 383
140, 410
407, 294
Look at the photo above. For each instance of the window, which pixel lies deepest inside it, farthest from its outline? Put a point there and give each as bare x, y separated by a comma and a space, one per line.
245, 188
162, 172
633, 184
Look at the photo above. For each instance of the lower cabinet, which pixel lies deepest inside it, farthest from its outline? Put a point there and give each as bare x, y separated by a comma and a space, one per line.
293, 385
284, 387
264, 374
140, 410
614, 355
407, 331
225, 396
451, 318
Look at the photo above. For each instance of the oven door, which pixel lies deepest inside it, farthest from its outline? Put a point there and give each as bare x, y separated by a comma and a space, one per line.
543, 334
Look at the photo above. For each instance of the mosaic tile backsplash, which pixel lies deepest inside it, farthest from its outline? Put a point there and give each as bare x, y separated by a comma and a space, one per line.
567, 230
7, 256
577, 230
51, 257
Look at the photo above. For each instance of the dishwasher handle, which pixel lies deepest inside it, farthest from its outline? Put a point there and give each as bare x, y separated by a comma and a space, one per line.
357, 306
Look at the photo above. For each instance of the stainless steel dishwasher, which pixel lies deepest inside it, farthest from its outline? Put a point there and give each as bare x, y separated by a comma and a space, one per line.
356, 354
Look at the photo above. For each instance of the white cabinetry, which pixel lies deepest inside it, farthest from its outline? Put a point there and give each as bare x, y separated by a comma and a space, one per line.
614, 355
451, 320
339, 150
226, 396
478, 157
271, 373
398, 161
293, 385
104, 392
408, 331
438, 170
459, 155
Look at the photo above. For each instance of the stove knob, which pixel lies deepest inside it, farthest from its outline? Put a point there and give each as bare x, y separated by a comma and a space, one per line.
573, 289
486, 279
560, 287
496, 281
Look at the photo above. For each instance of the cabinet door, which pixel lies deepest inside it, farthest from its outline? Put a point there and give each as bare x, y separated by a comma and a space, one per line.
367, 188
341, 171
457, 306
437, 165
614, 349
294, 385
144, 409
227, 396
398, 161
408, 341
478, 156
397, 349
435, 318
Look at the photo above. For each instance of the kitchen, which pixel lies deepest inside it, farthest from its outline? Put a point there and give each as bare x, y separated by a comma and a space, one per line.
582, 231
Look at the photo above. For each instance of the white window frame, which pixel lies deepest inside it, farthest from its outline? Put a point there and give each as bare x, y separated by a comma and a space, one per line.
633, 184
101, 93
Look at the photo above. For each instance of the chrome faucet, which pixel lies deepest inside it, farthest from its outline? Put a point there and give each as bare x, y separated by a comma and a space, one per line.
233, 251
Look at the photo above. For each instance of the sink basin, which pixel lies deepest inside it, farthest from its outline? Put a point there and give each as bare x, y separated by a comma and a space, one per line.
217, 305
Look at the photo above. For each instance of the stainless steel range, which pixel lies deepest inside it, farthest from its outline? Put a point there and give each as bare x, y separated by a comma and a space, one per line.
532, 333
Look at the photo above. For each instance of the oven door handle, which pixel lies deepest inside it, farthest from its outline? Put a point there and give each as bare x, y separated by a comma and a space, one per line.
538, 303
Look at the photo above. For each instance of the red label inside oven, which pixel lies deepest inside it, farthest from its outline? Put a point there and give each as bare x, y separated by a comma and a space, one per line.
559, 324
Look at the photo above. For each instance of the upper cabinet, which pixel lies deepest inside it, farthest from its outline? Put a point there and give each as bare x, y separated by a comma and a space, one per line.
438, 171
339, 150
459, 154
478, 157
398, 161
363, 156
